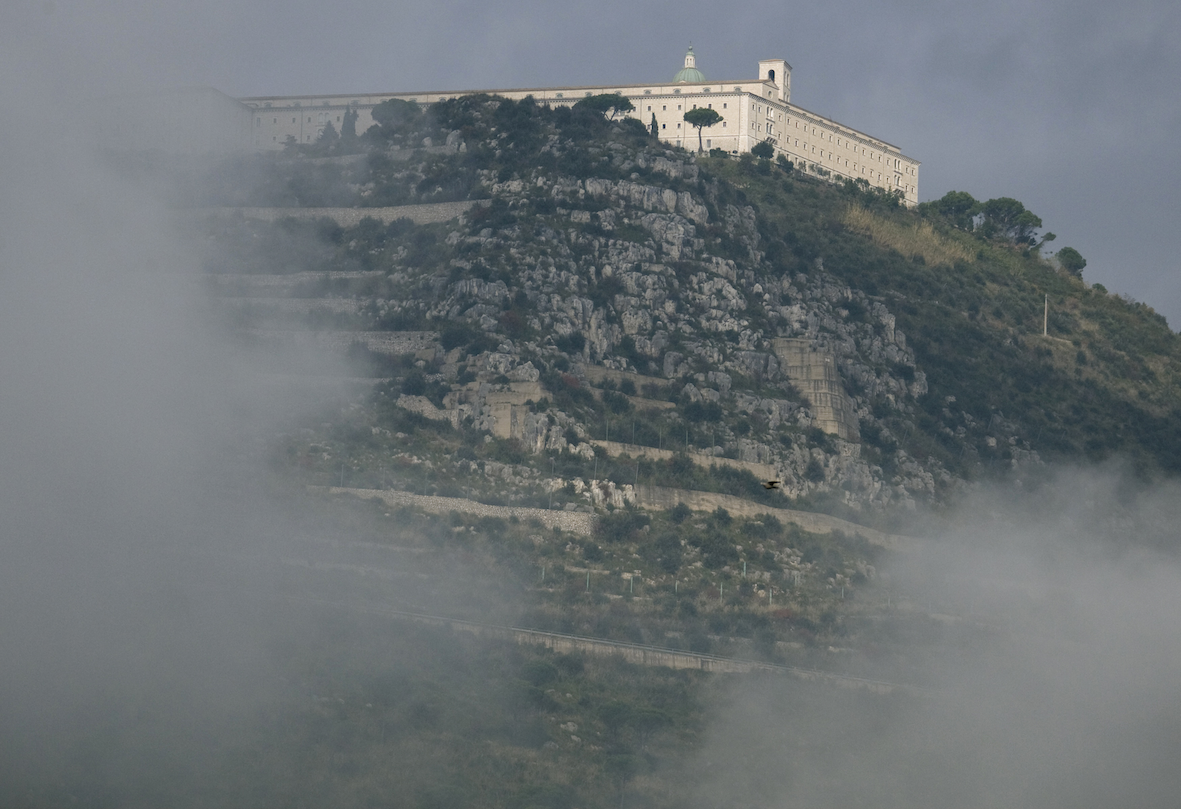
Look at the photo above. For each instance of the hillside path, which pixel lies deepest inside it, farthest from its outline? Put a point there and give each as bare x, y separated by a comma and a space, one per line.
637, 653
652, 497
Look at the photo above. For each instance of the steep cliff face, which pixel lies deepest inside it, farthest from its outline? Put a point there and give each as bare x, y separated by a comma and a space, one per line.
670, 284
611, 289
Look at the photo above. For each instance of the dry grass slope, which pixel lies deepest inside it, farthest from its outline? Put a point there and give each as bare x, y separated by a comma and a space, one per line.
919, 239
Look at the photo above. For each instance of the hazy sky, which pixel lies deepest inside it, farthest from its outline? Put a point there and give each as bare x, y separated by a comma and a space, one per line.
1065, 105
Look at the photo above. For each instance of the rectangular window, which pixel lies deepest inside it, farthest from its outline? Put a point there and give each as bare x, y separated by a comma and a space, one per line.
678, 107
708, 143
723, 105
723, 124
663, 107
649, 108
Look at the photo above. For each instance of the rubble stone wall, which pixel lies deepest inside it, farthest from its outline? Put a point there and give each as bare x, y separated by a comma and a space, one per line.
426, 214
573, 521
659, 497
760, 470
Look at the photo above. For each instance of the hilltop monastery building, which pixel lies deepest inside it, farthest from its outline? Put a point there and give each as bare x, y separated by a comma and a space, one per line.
752, 110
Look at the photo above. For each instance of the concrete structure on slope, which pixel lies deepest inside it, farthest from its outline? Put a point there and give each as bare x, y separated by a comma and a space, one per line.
813, 371
752, 110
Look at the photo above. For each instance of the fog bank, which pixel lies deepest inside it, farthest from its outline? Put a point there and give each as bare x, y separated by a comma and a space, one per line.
1042, 628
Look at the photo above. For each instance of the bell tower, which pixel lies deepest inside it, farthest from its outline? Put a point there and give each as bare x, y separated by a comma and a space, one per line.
778, 73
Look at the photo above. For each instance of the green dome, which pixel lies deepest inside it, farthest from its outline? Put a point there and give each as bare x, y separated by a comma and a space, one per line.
689, 74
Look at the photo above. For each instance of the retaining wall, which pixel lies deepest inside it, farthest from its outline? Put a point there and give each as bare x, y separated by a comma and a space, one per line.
812, 369
382, 342
760, 470
659, 497
427, 214
652, 497
638, 654
575, 522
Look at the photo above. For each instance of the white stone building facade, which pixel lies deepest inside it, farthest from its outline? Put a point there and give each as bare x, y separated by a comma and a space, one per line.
752, 111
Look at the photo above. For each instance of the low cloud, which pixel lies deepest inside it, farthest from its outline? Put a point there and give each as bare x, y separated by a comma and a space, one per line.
1040, 628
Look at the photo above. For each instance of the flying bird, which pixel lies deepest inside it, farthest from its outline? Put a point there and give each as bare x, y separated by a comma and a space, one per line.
770, 484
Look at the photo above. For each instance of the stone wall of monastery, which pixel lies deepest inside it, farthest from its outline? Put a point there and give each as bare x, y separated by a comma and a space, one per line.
752, 111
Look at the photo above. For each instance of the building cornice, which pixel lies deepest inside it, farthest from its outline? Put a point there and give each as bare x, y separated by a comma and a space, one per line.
455, 93
666, 91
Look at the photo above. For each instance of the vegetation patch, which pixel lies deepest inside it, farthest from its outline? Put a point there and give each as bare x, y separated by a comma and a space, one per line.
914, 238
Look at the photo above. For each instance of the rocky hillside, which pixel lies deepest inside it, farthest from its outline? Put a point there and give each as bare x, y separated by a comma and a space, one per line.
716, 321
546, 309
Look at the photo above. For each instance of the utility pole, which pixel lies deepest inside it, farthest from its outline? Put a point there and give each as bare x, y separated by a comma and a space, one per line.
1046, 318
